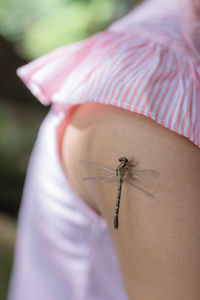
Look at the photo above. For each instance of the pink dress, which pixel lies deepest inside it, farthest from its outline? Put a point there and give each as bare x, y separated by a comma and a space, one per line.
146, 62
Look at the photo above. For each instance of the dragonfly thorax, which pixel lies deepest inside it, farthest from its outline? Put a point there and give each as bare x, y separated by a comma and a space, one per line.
122, 168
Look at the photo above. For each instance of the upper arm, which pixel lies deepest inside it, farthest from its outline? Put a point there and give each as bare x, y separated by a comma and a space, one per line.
158, 240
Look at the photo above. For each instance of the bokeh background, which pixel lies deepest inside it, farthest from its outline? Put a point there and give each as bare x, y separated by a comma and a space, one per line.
29, 29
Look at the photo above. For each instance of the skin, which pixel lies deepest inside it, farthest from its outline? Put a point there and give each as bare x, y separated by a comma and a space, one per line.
158, 239
196, 8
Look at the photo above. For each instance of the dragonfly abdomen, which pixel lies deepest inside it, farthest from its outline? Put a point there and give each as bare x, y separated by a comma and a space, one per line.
117, 204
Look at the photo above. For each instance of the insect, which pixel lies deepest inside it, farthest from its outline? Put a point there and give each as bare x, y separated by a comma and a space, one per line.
125, 172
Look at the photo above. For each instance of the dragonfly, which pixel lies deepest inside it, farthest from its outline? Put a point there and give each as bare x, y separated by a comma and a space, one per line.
125, 172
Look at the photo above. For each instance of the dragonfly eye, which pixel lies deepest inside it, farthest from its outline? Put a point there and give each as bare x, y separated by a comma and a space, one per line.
123, 159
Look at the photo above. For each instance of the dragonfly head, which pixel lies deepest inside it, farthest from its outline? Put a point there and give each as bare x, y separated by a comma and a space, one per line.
124, 159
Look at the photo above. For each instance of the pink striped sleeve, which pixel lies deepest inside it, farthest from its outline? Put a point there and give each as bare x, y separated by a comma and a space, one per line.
133, 70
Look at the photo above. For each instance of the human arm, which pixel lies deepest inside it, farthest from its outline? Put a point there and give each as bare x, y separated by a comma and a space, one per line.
158, 240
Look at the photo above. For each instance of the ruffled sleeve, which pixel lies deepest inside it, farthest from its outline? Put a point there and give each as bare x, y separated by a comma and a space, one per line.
137, 70
45, 75
81, 71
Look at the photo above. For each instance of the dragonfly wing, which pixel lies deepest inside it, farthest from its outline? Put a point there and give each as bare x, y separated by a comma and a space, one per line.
101, 178
88, 164
141, 189
143, 174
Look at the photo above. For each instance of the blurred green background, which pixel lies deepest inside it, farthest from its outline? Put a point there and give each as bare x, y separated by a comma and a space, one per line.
29, 29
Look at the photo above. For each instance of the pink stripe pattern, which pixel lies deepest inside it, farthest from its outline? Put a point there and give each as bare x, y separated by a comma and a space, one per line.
147, 71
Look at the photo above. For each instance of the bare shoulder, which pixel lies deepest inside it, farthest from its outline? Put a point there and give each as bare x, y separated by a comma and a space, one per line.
153, 232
